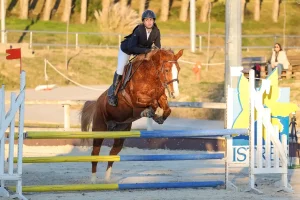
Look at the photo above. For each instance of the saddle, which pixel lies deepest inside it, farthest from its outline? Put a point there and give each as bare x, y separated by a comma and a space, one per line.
125, 78
128, 72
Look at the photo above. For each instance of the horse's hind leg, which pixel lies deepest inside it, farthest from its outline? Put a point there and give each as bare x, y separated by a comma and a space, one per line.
98, 125
117, 147
95, 152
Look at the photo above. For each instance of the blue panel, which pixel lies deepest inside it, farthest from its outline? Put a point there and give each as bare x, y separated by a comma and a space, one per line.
170, 185
191, 133
285, 121
171, 157
241, 140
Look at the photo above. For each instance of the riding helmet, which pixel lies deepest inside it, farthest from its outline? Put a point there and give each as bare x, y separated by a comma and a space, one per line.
148, 14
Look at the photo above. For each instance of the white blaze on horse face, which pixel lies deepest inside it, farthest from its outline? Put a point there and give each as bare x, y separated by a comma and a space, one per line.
175, 83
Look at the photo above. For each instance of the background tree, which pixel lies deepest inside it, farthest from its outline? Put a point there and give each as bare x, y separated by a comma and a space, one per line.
184, 10
275, 10
24, 9
83, 11
47, 10
142, 7
243, 8
204, 10
164, 14
105, 9
257, 10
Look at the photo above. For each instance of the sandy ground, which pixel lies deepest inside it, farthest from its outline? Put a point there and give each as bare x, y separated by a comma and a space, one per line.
134, 172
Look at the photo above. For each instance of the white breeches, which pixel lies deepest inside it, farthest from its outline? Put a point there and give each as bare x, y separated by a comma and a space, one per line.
122, 61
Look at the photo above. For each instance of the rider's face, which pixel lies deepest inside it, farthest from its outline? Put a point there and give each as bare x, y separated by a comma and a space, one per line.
148, 22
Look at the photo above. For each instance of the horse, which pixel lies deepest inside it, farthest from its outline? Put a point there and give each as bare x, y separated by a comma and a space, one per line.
140, 96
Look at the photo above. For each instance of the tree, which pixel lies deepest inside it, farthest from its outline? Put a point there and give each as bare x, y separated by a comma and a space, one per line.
67, 11
83, 11
24, 9
204, 10
257, 10
47, 10
123, 4
105, 9
165, 5
117, 21
275, 10
142, 7
184, 10
243, 7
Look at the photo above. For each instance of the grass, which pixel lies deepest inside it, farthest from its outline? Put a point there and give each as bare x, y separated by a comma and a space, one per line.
294, 167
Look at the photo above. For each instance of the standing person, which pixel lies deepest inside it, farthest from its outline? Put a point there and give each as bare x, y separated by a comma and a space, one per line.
139, 42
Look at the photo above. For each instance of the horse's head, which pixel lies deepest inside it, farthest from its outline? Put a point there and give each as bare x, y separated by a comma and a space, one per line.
169, 70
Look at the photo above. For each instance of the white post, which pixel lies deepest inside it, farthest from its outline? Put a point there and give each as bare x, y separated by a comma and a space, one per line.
259, 132
3, 10
276, 152
267, 113
192, 25
200, 43
233, 42
30, 40
66, 116
21, 133
149, 124
252, 131
76, 45
11, 137
284, 176
2, 133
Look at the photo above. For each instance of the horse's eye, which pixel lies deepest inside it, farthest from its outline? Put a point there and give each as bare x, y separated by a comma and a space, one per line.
167, 70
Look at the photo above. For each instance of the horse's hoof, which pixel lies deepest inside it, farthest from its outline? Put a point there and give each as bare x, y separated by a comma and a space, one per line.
94, 178
159, 120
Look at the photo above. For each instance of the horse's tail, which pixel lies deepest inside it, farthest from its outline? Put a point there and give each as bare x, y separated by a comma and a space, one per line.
86, 115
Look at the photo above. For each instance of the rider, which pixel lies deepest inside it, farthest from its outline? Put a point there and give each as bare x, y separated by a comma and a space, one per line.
140, 41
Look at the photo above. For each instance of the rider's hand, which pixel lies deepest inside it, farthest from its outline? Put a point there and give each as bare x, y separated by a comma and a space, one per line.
147, 51
154, 47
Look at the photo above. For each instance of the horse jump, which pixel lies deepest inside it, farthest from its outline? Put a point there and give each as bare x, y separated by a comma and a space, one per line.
195, 133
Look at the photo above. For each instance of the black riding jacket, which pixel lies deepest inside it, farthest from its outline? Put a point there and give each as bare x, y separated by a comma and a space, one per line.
137, 43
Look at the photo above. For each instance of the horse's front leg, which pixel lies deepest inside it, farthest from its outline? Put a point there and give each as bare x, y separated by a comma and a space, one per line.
163, 103
148, 112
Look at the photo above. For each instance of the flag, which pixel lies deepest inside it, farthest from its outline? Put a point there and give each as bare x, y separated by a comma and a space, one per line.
13, 54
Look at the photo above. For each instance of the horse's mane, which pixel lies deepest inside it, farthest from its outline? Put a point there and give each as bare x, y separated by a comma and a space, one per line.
148, 56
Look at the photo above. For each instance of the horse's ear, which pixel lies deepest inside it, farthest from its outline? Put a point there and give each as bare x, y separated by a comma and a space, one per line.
179, 54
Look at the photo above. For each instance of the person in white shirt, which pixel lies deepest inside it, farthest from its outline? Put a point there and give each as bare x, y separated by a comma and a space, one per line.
279, 60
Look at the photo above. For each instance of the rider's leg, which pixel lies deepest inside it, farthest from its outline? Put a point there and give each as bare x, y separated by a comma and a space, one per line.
122, 61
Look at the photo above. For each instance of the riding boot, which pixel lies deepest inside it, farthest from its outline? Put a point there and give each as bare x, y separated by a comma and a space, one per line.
113, 98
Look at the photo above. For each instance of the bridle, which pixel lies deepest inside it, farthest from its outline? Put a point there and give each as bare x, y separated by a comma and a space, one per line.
165, 83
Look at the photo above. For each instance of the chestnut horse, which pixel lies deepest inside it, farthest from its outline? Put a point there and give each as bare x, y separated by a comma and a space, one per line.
139, 97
